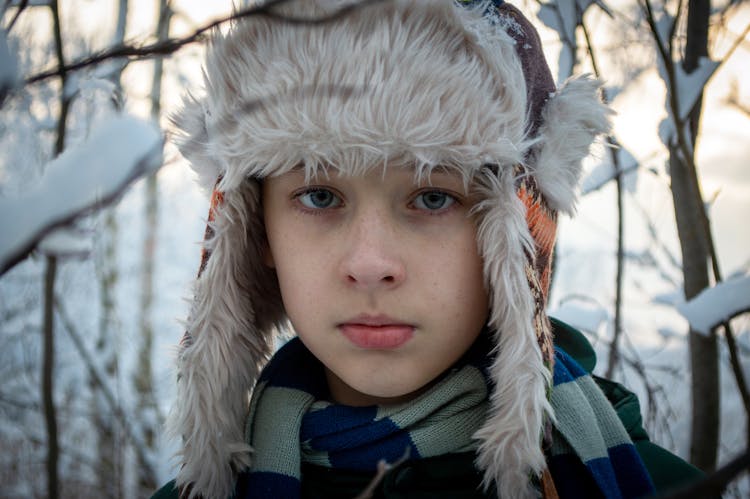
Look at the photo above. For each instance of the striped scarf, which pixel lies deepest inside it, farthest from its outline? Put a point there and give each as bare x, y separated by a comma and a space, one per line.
589, 432
290, 421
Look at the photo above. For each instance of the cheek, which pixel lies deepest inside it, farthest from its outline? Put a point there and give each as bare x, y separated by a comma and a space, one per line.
452, 289
303, 280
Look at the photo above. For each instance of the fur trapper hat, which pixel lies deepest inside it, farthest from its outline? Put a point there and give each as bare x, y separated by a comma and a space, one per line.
430, 83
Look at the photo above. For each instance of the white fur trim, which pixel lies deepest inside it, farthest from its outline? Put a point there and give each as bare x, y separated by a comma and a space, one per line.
572, 119
510, 440
419, 82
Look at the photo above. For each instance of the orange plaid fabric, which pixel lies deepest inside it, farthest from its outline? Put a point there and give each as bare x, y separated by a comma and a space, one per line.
542, 223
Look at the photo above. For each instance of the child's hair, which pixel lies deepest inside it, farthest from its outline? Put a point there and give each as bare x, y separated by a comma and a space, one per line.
429, 83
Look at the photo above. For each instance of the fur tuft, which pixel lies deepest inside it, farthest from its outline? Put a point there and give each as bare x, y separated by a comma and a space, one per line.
572, 119
194, 142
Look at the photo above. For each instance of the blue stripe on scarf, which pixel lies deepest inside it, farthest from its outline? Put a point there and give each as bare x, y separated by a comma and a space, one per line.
358, 441
603, 473
566, 368
629, 472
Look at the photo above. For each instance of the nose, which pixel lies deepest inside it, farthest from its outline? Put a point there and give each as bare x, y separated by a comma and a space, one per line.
373, 258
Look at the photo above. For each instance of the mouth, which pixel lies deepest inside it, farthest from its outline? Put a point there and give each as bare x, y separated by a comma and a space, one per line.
376, 332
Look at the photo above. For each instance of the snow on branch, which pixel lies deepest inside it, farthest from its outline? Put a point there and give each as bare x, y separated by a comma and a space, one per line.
81, 180
683, 88
564, 16
690, 85
718, 304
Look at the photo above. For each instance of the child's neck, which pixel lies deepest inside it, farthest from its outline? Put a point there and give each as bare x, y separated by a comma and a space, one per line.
343, 394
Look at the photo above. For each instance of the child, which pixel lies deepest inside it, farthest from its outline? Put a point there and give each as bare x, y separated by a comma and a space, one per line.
386, 185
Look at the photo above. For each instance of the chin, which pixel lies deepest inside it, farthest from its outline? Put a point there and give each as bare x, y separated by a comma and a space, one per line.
394, 393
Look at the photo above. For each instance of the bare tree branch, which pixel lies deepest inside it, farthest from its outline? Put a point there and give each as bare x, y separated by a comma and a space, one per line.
659, 413
613, 148
161, 48
715, 483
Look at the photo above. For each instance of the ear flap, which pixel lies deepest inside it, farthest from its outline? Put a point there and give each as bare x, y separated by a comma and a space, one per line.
236, 310
510, 449
572, 119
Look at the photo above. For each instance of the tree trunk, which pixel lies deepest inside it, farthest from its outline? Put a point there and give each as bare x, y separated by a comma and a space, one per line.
144, 375
688, 202
704, 359
108, 446
48, 362
108, 439
48, 367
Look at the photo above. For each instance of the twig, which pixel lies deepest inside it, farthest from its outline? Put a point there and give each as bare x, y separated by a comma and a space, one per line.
737, 43
20, 9
733, 101
652, 392
660, 245
613, 147
739, 374
172, 45
19, 404
383, 468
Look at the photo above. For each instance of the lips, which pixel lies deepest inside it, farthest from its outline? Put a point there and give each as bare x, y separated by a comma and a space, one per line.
376, 332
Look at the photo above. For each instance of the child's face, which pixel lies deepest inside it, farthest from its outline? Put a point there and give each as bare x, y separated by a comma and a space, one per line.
380, 277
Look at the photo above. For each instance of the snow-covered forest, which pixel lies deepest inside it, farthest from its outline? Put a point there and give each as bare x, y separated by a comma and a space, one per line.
101, 224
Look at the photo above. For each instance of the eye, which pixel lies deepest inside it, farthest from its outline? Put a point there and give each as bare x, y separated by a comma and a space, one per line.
319, 199
433, 201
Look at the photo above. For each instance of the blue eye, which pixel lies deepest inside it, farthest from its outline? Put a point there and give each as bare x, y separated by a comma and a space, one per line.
433, 201
319, 199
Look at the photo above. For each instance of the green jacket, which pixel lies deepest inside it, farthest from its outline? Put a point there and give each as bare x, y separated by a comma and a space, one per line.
454, 476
